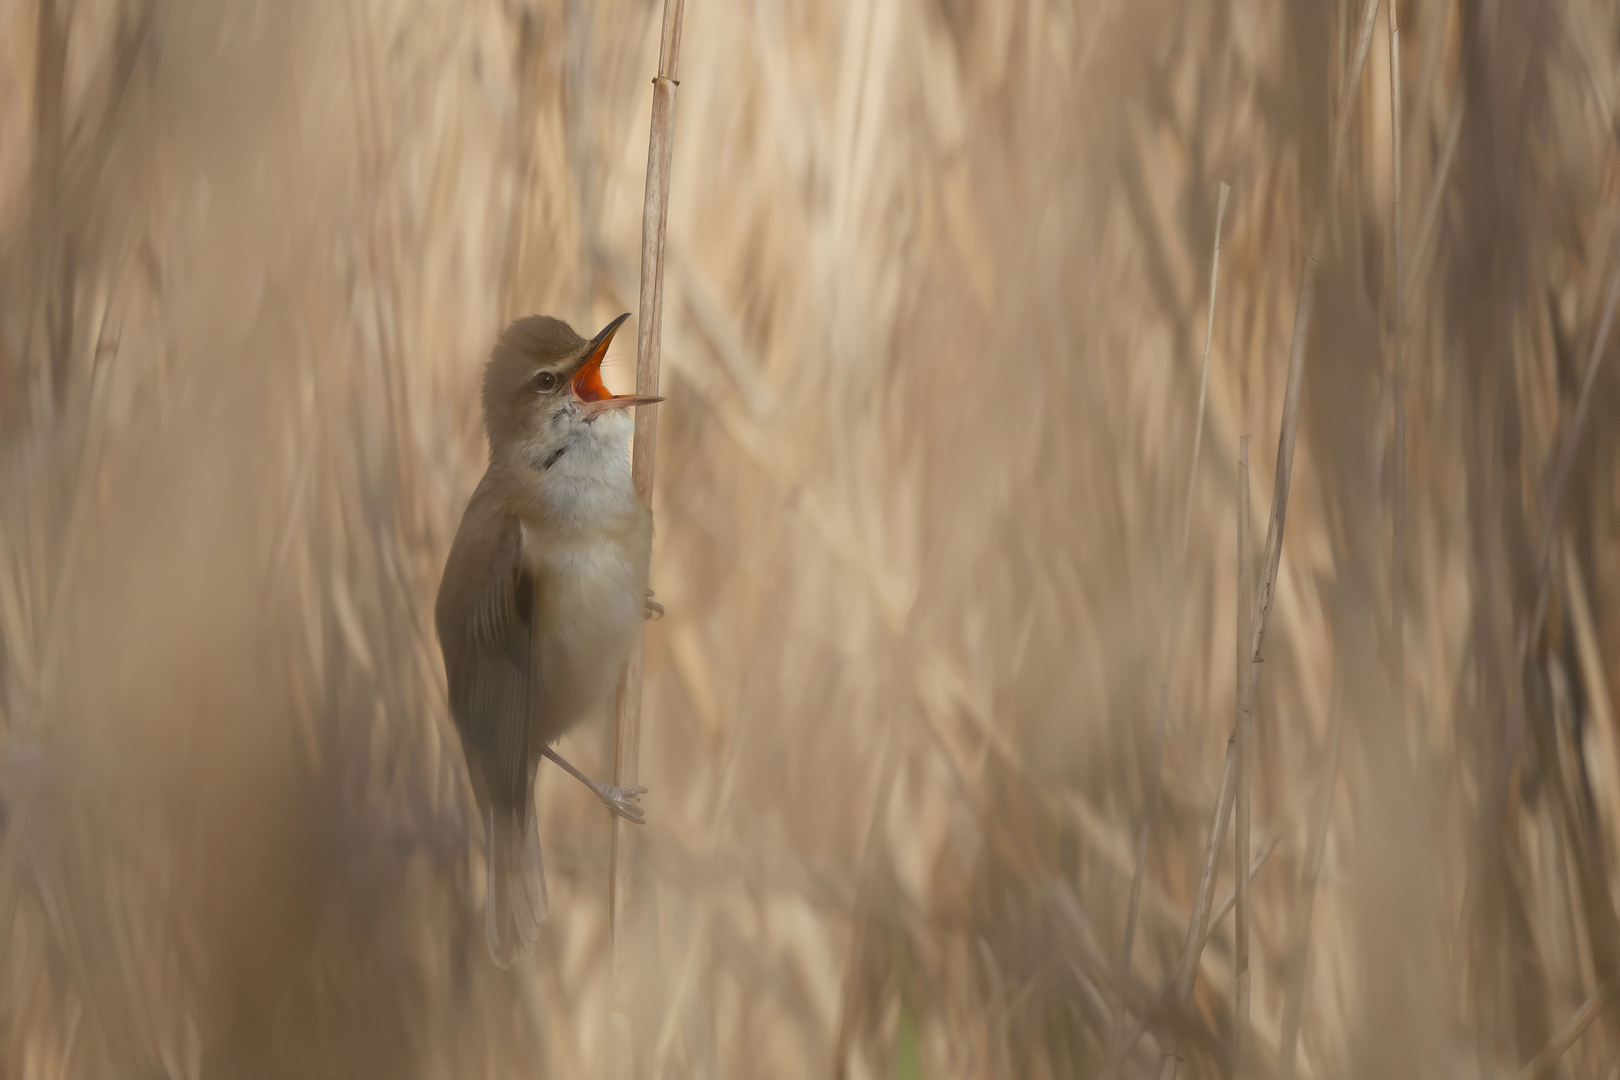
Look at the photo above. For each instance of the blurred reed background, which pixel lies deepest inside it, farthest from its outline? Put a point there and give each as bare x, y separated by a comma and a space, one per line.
938, 281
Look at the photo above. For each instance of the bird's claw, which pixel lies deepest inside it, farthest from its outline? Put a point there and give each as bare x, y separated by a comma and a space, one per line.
625, 802
655, 610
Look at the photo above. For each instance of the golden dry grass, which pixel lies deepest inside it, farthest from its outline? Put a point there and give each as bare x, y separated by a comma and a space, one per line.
936, 297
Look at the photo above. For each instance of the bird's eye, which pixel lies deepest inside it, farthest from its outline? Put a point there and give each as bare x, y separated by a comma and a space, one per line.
546, 380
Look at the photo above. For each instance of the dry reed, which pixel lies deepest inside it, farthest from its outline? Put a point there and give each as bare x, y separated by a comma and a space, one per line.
1161, 724
627, 706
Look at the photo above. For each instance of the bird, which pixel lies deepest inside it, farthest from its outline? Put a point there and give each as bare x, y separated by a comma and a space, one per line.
543, 591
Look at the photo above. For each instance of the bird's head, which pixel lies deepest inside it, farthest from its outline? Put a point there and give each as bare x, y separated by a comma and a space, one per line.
543, 391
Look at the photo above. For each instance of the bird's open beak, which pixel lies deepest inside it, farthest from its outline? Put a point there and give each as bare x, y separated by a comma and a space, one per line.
587, 382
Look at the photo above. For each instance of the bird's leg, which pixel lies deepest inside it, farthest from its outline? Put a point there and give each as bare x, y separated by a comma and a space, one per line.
655, 610
626, 802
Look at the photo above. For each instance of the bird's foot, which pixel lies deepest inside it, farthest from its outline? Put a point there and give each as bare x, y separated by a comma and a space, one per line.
655, 610
625, 802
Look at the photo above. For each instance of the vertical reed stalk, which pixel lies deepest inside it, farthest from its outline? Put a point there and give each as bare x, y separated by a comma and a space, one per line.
1397, 554
1262, 610
1266, 592
1111, 1066
627, 716
1245, 767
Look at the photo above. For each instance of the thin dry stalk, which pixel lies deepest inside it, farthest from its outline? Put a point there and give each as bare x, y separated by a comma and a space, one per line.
1397, 561
1263, 598
1566, 1035
627, 716
1566, 450
1307, 895
1526, 636
1161, 727
1262, 609
1245, 738
1285, 468
1162, 996
1198, 923
1347, 97
1601, 733
1429, 223
1296, 362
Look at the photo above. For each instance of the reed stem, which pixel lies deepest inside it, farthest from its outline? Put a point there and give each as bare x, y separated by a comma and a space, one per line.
627, 712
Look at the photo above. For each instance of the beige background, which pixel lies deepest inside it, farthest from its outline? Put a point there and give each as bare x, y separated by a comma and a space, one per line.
937, 287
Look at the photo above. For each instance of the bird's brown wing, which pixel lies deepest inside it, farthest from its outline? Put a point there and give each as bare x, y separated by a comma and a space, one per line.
483, 617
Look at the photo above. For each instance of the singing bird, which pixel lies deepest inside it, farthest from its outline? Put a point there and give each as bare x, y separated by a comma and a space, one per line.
543, 590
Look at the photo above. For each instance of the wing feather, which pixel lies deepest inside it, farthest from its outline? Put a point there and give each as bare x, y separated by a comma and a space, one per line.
485, 631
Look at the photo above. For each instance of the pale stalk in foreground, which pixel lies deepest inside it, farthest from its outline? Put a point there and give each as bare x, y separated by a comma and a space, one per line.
627, 713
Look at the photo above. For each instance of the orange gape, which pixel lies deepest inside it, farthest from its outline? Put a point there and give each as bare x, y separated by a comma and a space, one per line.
588, 385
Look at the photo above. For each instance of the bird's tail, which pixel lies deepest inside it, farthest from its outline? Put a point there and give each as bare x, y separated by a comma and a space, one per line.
515, 901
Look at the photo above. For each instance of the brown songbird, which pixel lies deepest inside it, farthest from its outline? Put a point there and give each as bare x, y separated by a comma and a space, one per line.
541, 596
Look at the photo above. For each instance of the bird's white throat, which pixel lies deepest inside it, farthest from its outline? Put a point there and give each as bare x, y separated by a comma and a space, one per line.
581, 481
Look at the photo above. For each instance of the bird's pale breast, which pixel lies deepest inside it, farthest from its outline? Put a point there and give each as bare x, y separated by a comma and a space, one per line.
590, 596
